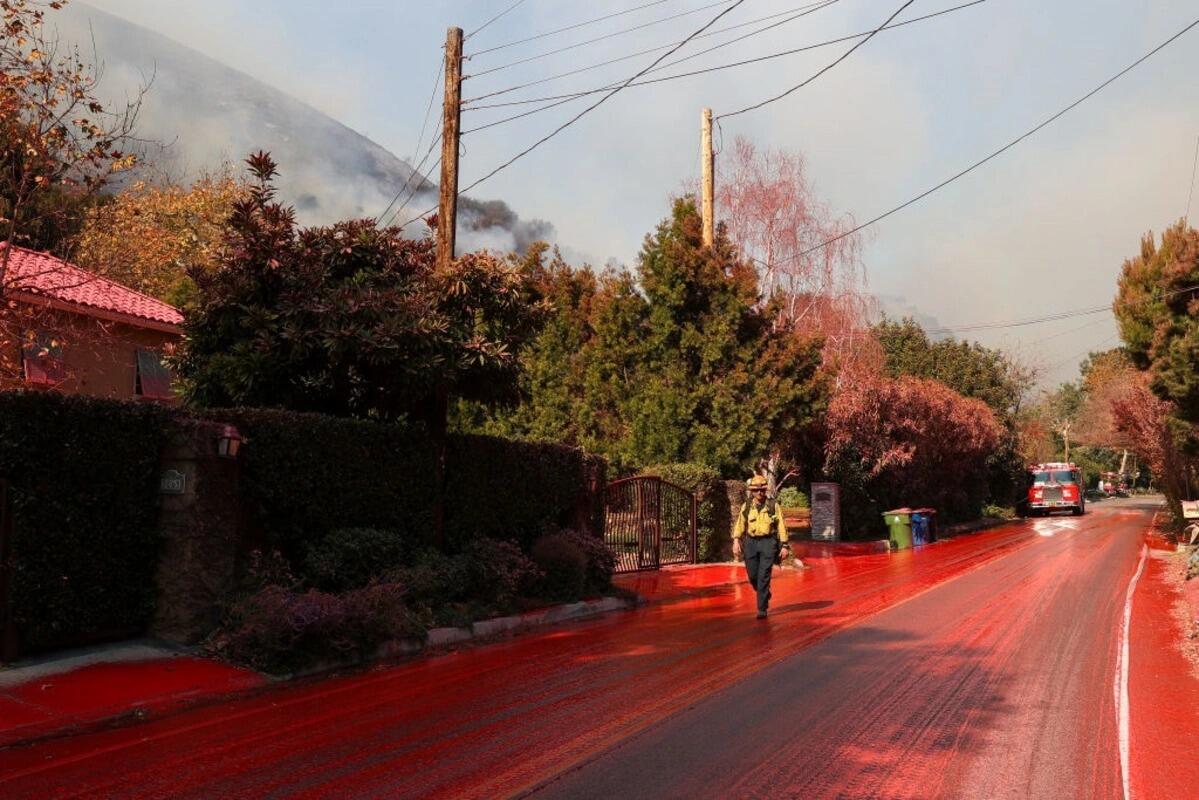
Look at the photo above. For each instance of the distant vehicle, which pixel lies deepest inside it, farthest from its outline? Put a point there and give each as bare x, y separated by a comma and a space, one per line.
1055, 486
1114, 483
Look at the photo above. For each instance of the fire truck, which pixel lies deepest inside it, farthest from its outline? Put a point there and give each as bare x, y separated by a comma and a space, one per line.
1055, 486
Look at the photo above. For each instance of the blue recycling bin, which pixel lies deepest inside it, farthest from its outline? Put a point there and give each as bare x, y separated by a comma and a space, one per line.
919, 529
924, 526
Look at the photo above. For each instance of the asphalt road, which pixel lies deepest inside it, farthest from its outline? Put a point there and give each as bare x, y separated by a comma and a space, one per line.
981, 667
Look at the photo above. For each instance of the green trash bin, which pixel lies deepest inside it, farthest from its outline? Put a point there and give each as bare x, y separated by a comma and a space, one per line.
899, 522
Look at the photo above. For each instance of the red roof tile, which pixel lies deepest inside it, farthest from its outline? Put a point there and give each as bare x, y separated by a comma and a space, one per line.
41, 274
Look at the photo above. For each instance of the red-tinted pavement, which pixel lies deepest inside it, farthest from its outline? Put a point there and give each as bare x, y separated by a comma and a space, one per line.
979, 667
94, 694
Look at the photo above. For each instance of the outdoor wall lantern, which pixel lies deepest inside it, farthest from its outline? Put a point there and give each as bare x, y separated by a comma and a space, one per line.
229, 442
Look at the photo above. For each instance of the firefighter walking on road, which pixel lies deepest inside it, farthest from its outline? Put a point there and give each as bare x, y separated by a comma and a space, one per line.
761, 535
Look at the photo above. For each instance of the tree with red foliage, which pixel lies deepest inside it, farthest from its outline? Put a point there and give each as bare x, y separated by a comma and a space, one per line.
773, 215
1158, 437
909, 442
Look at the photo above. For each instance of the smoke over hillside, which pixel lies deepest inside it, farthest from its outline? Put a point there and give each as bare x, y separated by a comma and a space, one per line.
208, 114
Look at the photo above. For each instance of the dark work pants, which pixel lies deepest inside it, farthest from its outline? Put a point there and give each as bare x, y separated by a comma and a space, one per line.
759, 555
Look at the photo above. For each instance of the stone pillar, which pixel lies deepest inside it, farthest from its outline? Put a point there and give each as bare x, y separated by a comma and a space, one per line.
826, 512
198, 523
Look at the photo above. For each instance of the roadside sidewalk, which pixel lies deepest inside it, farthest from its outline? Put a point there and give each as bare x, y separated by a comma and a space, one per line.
1163, 685
78, 691
86, 689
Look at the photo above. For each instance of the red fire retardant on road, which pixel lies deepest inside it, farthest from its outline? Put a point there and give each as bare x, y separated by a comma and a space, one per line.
977, 667
53, 703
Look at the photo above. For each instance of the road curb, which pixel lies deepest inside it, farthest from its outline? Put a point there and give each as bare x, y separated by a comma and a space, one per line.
501, 626
437, 640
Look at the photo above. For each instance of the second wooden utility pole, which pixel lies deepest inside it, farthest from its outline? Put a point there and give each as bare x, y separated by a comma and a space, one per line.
709, 181
447, 209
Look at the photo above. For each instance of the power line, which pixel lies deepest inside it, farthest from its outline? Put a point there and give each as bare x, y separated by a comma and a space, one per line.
560, 98
1080, 312
570, 27
618, 59
493, 19
601, 101
420, 138
837, 61
1003, 149
1186, 218
416, 187
420, 184
586, 42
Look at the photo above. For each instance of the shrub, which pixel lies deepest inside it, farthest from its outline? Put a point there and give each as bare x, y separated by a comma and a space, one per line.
998, 512
281, 630
348, 558
600, 560
84, 484
712, 511
497, 571
910, 442
564, 567
792, 497
486, 577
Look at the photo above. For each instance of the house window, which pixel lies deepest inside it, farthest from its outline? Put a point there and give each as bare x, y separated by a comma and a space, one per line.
42, 360
153, 378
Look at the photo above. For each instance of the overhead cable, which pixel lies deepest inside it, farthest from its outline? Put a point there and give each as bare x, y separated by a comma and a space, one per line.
601, 101
423, 126
1080, 312
820, 72
493, 19
557, 100
569, 27
415, 187
1005, 148
586, 42
797, 12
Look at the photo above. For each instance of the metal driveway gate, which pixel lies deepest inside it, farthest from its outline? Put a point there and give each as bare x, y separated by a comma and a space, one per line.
649, 522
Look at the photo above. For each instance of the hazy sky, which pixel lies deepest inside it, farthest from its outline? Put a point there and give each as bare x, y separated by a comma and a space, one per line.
1042, 229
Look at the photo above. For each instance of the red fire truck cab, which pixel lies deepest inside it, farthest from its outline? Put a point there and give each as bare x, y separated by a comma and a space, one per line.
1055, 486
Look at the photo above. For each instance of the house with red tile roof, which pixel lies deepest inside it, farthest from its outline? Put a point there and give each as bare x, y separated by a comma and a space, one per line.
65, 329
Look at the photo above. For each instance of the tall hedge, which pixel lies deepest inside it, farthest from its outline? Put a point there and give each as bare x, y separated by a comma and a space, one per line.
510, 489
84, 479
304, 475
712, 511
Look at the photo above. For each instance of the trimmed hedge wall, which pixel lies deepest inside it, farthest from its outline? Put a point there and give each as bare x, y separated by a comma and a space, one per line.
509, 489
305, 475
84, 479
84, 483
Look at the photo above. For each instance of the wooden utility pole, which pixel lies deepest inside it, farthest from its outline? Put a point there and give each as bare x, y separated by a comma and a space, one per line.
447, 221
447, 210
709, 181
